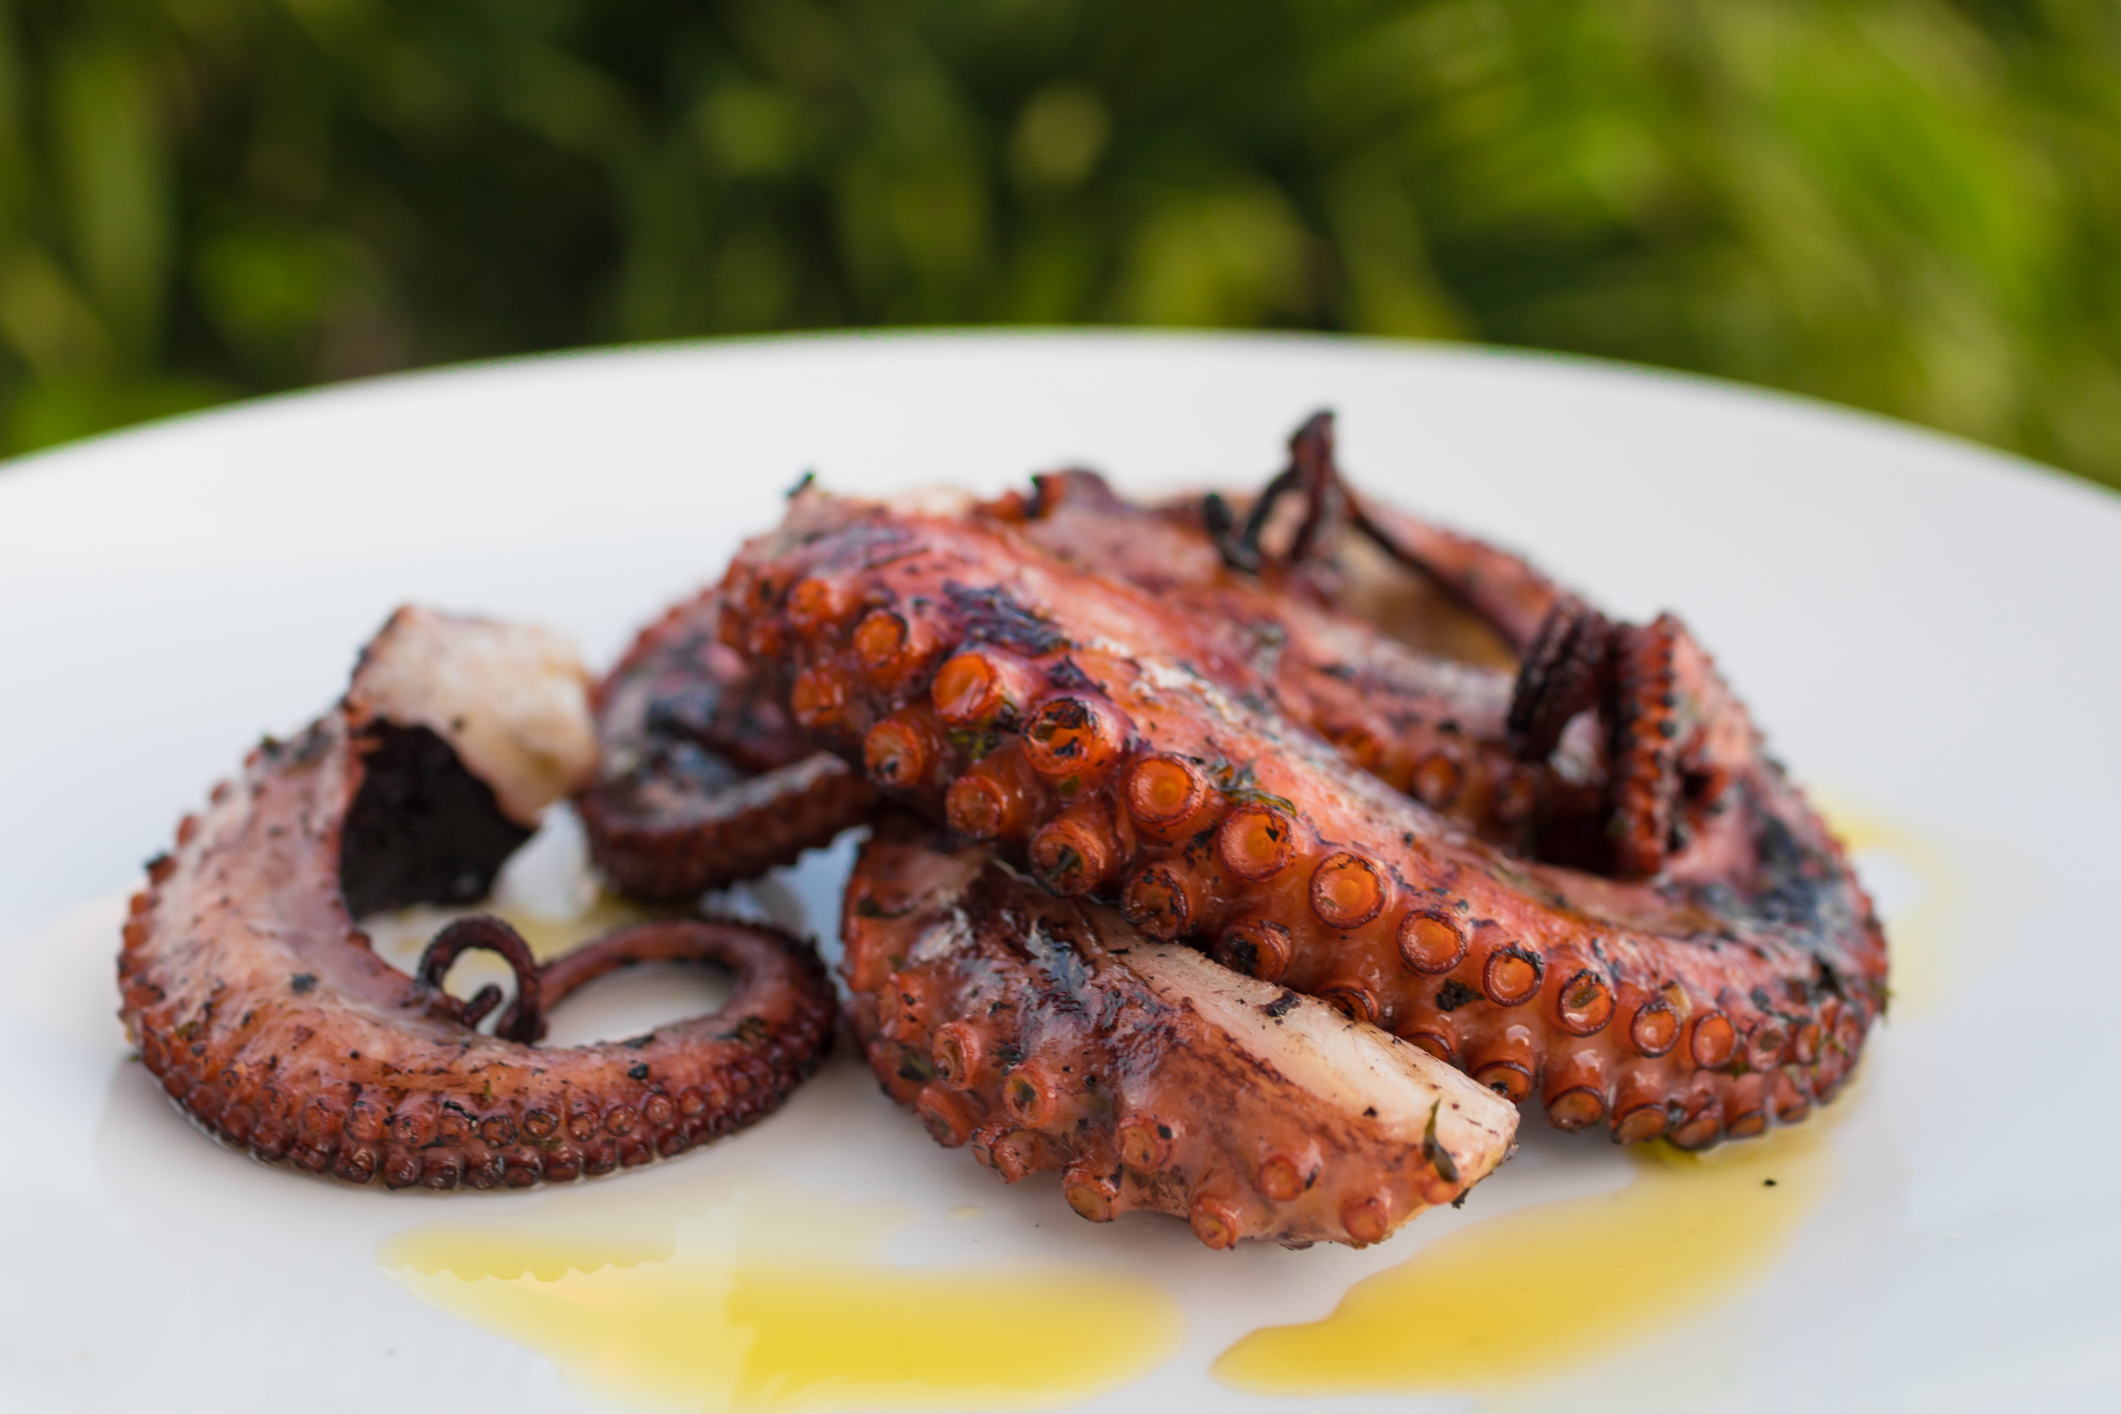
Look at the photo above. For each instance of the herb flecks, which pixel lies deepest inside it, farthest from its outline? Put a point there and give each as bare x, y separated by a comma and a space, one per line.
1239, 783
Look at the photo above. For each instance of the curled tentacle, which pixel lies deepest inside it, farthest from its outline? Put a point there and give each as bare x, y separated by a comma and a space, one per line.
1644, 751
701, 780
1047, 1034
1562, 673
1326, 501
524, 1021
261, 1009
1310, 475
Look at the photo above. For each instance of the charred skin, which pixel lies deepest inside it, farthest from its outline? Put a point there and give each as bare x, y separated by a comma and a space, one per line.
1411, 711
1456, 683
1391, 668
1117, 742
259, 1006
1045, 1033
701, 781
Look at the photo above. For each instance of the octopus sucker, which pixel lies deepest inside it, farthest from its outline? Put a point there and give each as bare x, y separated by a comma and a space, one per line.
1046, 1033
1578, 876
256, 1001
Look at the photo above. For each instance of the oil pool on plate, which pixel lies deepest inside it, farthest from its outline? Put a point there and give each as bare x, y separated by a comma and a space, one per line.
758, 1297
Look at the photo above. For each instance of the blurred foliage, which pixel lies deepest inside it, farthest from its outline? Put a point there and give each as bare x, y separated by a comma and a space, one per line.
1913, 207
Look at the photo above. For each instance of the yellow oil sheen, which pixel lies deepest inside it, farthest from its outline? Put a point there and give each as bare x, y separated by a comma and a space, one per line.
769, 1299
1538, 1292
756, 1297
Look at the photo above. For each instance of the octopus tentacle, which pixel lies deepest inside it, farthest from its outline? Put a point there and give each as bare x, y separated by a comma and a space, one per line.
1649, 999
1562, 673
261, 1009
766, 960
1415, 718
524, 1021
1047, 1034
1311, 475
1575, 659
1644, 751
1482, 748
702, 781
1569, 662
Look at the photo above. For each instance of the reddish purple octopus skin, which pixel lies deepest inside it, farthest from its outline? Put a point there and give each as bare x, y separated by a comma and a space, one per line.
1411, 677
260, 1007
700, 781
1045, 1033
1117, 740
1421, 719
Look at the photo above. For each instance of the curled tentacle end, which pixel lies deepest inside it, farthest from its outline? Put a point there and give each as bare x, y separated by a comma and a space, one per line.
263, 1012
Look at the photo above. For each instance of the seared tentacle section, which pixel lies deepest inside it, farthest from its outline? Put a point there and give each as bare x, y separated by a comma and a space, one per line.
1047, 1034
1138, 757
1396, 701
701, 781
262, 1010
1643, 754
1563, 669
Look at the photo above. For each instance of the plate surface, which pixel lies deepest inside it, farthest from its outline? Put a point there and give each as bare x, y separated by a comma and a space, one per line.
1926, 630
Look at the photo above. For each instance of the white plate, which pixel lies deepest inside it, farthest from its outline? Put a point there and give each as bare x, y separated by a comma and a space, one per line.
1928, 631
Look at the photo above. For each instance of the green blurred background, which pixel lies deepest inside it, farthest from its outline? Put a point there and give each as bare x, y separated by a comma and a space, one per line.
1913, 207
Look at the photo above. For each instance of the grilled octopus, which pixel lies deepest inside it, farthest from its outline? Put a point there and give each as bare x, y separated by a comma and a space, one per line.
257, 1002
1582, 880
1048, 1033
1244, 861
